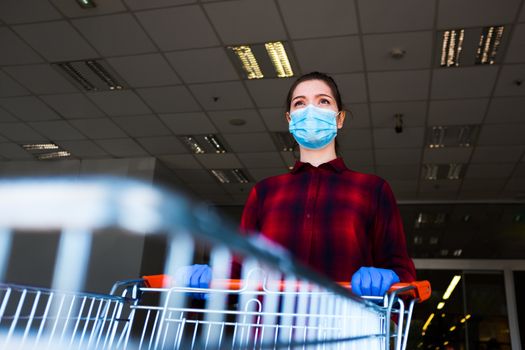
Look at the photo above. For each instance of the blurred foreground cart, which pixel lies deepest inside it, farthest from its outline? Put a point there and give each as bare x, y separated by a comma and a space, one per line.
276, 304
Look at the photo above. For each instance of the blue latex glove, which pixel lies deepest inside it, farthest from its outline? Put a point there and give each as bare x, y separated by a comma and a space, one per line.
371, 281
194, 276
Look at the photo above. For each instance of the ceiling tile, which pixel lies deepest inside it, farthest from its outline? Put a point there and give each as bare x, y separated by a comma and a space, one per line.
28, 108
383, 114
246, 21
162, 145
142, 125
180, 161
417, 47
121, 147
250, 142
203, 65
263, 173
98, 128
14, 50
519, 171
505, 110
169, 28
457, 112
357, 116
9, 87
485, 171
261, 160
6, 116
506, 85
188, 123
350, 139
403, 186
330, 55
207, 190
274, 118
495, 154
514, 186
290, 158
396, 172
117, 103
447, 187
508, 134
352, 87
400, 156
249, 116
239, 189
144, 70
482, 185
219, 161
388, 138
141, 5
73, 106
380, 16
115, 34
516, 49
447, 155
57, 130
20, 11
357, 157
83, 148
463, 82
13, 151
472, 13
194, 176
401, 85
19, 132
304, 20
41, 79
57, 41
269, 92
217, 96
71, 8
169, 99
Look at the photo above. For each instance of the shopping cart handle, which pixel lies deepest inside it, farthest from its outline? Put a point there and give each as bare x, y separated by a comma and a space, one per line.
416, 290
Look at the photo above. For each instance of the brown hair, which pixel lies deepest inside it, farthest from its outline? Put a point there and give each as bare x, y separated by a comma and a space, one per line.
316, 76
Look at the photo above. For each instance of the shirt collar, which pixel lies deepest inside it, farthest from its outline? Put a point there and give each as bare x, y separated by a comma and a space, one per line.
336, 165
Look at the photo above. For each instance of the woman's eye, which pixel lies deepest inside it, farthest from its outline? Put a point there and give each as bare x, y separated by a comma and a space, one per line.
324, 101
298, 103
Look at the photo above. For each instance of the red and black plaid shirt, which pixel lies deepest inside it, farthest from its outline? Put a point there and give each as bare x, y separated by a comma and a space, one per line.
333, 219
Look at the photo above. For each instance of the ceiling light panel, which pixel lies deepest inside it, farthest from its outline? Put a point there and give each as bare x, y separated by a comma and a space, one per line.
451, 47
452, 136
489, 43
228, 176
40, 146
452, 171
53, 155
90, 75
284, 141
268, 60
199, 144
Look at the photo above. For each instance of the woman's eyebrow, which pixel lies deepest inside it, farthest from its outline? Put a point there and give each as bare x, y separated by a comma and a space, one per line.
296, 97
324, 95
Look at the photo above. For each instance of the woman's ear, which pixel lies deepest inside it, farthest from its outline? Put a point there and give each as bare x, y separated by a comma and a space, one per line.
341, 119
287, 115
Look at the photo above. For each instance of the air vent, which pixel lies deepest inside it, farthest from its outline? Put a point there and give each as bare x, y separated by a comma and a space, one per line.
91, 75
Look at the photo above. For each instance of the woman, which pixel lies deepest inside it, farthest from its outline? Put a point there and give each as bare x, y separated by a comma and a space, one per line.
339, 222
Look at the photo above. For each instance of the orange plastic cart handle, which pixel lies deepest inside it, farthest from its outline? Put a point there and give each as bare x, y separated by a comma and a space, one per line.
421, 290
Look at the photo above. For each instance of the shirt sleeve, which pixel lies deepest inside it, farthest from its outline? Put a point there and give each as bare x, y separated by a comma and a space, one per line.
250, 214
389, 243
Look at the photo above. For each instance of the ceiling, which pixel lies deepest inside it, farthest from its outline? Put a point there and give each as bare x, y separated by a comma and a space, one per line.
180, 78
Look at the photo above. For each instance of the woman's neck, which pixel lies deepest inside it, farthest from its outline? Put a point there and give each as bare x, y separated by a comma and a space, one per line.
318, 156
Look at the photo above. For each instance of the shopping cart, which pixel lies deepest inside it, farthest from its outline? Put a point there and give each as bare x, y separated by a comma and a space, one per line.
276, 304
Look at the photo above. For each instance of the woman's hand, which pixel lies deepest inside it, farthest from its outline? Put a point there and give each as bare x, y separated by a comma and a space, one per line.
371, 281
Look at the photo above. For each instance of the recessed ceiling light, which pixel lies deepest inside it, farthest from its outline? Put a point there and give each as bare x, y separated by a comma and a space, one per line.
427, 323
237, 122
85, 4
227, 176
103, 74
279, 59
215, 143
192, 143
74, 74
437, 137
248, 61
441, 305
221, 176
453, 171
431, 171
453, 283
457, 252
489, 43
53, 155
39, 146
451, 47
433, 240
418, 240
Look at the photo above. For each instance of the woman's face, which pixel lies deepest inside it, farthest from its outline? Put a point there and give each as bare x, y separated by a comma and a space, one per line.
317, 93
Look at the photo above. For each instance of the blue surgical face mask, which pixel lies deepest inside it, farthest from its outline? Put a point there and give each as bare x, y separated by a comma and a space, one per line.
313, 127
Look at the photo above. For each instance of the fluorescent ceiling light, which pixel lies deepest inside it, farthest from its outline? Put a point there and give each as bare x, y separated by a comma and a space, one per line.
437, 137
249, 63
104, 75
53, 155
227, 176
464, 136
451, 286
39, 146
425, 326
279, 59
440, 305
215, 143
239, 176
77, 76
451, 47
431, 171
192, 143
452, 329
221, 176
489, 43
453, 171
